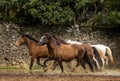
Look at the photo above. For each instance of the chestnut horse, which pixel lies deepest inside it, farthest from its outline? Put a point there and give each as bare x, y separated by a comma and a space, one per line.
64, 52
35, 51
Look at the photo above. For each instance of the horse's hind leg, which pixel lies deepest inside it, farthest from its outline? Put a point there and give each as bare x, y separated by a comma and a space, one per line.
55, 64
38, 62
90, 64
96, 64
48, 59
82, 64
87, 59
45, 66
31, 63
78, 62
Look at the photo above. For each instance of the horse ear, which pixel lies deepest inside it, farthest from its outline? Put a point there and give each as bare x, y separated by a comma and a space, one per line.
49, 36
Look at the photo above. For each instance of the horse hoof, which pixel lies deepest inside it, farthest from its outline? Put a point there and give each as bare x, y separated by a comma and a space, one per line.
45, 69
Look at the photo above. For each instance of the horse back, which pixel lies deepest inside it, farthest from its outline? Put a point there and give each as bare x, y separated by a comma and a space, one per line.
39, 51
67, 52
101, 53
67, 49
80, 49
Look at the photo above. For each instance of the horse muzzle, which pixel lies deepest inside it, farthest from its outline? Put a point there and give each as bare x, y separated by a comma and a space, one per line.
17, 44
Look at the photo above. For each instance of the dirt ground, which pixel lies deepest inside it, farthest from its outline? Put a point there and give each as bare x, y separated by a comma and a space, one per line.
58, 78
21, 75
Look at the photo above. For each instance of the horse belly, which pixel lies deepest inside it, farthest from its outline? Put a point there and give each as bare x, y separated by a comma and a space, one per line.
40, 53
67, 58
43, 54
68, 55
65, 53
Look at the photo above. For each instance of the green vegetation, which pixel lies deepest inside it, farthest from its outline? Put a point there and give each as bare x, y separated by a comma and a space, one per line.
110, 16
9, 67
61, 12
19, 67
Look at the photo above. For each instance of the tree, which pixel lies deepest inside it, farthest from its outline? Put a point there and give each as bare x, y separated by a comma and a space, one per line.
61, 12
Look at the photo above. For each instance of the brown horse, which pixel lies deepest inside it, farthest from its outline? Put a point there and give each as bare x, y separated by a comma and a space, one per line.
92, 52
35, 51
64, 52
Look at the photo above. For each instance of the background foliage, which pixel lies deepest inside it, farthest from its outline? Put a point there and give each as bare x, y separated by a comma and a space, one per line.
61, 12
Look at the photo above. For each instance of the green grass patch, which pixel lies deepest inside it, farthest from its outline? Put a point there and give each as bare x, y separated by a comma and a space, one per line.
9, 67
20, 67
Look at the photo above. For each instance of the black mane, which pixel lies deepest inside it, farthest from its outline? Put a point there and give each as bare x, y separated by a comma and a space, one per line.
59, 40
31, 38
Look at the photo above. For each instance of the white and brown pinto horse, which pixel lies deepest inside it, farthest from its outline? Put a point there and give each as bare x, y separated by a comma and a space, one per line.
106, 51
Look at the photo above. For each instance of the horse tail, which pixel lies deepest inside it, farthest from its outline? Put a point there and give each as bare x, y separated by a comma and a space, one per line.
109, 53
88, 60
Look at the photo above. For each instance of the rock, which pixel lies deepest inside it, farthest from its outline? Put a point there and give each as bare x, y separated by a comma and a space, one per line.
13, 63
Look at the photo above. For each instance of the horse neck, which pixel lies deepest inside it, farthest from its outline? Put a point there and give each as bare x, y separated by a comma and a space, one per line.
29, 42
52, 45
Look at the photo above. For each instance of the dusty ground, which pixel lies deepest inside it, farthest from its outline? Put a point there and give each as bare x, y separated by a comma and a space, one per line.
58, 78
22, 75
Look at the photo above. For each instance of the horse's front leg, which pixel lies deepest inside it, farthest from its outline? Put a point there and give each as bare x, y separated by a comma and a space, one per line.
61, 66
78, 61
31, 63
82, 64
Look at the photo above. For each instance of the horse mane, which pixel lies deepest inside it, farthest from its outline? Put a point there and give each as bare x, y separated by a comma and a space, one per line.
28, 36
59, 39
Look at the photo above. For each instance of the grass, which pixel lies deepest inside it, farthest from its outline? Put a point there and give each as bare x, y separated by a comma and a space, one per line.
9, 67
20, 67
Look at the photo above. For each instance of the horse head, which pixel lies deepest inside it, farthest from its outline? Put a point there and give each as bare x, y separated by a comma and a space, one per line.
45, 39
20, 40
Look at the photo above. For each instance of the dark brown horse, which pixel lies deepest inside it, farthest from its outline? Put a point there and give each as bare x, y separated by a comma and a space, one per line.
64, 52
35, 51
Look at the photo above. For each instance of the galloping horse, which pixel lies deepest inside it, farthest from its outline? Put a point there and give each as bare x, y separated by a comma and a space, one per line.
92, 52
35, 51
64, 52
